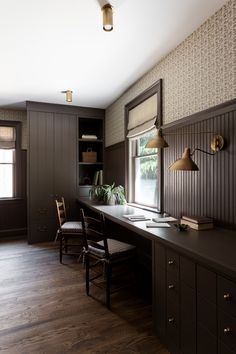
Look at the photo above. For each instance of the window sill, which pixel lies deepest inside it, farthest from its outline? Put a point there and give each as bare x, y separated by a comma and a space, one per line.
10, 200
144, 207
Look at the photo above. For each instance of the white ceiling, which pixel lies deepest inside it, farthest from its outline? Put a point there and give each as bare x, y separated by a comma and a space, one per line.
47, 46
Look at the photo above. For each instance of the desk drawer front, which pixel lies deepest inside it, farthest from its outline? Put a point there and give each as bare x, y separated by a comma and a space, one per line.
188, 272
172, 262
227, 295
206, 283
206, 314
227, 330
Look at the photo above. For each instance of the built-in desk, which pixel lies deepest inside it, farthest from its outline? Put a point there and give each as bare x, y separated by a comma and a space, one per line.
194, 282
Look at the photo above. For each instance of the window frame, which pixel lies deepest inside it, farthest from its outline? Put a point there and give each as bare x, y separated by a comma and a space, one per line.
156, 88
17, 162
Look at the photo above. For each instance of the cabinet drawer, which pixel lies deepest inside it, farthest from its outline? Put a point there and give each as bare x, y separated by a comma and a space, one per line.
159, 303
188, 272
172, 327
227, 330
206, 342
206, 314
188, 319
172, 287
206, 283
224, 350
172, 262
227, 295
160, 255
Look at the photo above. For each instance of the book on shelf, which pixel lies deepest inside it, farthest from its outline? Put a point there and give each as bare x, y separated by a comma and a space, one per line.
198, 219
197, 226
89, 136
100, 177
95, 178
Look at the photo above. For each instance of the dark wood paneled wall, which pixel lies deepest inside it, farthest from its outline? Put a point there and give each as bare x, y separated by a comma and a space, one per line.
114, 166
210, 191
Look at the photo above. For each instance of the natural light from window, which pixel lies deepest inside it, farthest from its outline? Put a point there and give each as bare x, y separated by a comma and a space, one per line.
6, 173
145, 172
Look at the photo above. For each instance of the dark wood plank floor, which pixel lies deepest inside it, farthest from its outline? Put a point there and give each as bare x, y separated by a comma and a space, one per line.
44, 309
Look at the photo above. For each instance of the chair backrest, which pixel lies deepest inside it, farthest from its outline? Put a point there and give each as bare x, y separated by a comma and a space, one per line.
93, 231
61, 210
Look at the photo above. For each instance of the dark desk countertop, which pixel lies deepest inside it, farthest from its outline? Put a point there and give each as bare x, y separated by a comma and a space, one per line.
216, 247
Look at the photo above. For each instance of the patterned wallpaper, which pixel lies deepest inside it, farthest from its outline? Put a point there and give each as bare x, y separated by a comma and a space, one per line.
198, 74
6, 114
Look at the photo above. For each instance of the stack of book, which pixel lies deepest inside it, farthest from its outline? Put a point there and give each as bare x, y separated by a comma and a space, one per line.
197, 222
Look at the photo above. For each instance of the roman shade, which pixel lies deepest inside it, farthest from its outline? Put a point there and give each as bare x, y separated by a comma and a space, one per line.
7, 137
142, 117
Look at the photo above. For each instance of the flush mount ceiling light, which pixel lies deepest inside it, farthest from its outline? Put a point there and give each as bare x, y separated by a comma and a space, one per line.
68, 95
107, 18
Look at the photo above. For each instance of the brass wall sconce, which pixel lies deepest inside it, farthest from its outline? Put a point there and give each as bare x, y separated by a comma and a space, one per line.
185, 163
107, 17
68, 95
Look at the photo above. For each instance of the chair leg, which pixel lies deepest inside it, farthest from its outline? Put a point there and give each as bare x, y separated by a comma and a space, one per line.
108, 286
61, 246
87, 273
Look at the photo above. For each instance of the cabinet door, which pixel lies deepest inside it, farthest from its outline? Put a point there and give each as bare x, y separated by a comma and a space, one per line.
65, 157
188, 319
40, 171
159, 292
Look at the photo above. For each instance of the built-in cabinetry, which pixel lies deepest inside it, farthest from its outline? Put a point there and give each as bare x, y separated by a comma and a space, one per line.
90, 153
53, 156
194, 307
51, 169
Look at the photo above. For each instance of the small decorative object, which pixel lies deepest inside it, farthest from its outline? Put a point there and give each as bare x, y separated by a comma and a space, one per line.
89, 155
108, 194
181, 227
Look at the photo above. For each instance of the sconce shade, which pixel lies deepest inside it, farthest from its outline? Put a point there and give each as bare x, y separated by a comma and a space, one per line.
107, 18
158, 141
185, 163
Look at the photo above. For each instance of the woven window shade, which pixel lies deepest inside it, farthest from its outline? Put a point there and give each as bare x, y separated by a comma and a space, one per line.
142, 117
7, 137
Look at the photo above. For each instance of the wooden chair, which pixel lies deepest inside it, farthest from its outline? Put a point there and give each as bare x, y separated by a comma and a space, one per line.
69, 233
102, 254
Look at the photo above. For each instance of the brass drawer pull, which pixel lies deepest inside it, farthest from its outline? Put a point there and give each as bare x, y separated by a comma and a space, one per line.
171, 286
171, 262
227, 297
171, 320
227, 330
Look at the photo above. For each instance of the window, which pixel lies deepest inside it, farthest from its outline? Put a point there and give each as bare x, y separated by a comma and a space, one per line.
9, 145
144, 165
6, 173
144, 168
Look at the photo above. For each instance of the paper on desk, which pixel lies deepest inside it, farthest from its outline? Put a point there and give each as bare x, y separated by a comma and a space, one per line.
164, 219
157, 224
134, 217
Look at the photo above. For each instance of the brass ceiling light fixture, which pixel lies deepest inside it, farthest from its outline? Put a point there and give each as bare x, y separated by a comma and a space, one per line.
185, 163
107, 18
68, 95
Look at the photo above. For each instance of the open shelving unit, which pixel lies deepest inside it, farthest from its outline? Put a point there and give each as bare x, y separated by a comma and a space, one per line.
87, 169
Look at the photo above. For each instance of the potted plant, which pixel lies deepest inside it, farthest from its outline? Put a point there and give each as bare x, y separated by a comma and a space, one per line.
108, 194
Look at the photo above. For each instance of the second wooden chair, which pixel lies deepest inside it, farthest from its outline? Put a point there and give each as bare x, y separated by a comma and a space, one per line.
101, 250
69, 233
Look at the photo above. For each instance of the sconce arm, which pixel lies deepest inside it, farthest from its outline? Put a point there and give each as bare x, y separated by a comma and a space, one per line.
205, 152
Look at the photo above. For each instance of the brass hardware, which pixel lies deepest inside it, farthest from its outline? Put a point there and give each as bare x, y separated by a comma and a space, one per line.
217, 143
171, 286
171, 319
227, 330
171, 262
68, 95
227, 297
107, 17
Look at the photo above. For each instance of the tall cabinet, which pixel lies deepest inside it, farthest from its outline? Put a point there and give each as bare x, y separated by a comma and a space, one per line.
52, 164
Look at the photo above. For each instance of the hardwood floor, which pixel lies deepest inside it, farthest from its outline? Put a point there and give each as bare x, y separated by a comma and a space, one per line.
44, 308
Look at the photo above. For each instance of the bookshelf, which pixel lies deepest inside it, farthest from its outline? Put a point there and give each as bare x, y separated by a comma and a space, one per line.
90, 153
